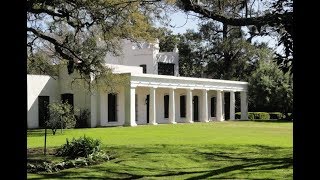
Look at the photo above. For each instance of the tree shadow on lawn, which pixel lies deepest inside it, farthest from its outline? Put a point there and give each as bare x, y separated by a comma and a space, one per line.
210, 161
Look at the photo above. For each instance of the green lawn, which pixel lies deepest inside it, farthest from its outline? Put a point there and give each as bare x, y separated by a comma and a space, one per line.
215, 150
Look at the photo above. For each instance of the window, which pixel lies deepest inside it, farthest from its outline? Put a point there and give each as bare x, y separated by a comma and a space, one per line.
112, 110
165, 68
213, 107
67, 97
144, 68
183, 106
166, 106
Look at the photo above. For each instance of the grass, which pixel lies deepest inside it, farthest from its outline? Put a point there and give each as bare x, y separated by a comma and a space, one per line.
218, 150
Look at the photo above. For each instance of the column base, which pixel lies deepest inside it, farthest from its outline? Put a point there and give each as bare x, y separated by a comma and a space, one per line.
205, 121
173, 122
153, 123
191, 122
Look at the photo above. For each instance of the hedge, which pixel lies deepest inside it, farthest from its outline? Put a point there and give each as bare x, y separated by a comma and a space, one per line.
256, 115
276, 115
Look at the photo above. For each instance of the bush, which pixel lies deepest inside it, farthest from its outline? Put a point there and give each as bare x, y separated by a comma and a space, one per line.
251, 116
44, 166
261, 115
82, 147
82, 119
276, 115
254, 115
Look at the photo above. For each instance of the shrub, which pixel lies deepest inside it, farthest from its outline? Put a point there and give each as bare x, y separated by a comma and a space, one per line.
44, 166
276, 115
82, 147
261, 115
82, 119
251, 116
254, 115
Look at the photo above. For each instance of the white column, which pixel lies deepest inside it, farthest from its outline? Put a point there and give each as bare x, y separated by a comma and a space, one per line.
152, 108
172, 107
223, 105
204, 108
244, 105
189, 115
232, 105
130, 106
219, 106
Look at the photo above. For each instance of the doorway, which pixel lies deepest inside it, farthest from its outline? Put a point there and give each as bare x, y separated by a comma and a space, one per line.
195, 108
147, 104
112, 107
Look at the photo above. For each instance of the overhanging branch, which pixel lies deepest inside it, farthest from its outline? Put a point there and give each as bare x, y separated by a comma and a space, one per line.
269, 19
58, 46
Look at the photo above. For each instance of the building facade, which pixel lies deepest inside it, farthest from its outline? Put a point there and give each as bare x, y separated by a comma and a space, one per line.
156, 94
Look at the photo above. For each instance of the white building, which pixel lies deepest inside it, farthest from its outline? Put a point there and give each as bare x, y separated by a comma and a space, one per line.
157, 94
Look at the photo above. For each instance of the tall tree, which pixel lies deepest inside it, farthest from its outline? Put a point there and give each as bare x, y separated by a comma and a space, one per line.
191, 54
276, 17
83, 31
228, 54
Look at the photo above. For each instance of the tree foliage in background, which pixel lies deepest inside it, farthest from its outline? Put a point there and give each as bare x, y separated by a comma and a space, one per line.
228, 54
270, 89
61, 116
208, 53
167, 40
191, 53
272, 17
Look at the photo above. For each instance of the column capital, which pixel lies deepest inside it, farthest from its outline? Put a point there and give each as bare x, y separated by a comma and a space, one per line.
190, 89
173, 88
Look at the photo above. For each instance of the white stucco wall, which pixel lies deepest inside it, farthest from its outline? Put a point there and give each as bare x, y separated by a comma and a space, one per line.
146, 53
79, 89
39, 85
125, 69
132, 55
102, 109
167, 57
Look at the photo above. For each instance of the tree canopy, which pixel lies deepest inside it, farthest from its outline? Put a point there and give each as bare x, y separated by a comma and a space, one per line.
81, 32
274, 18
